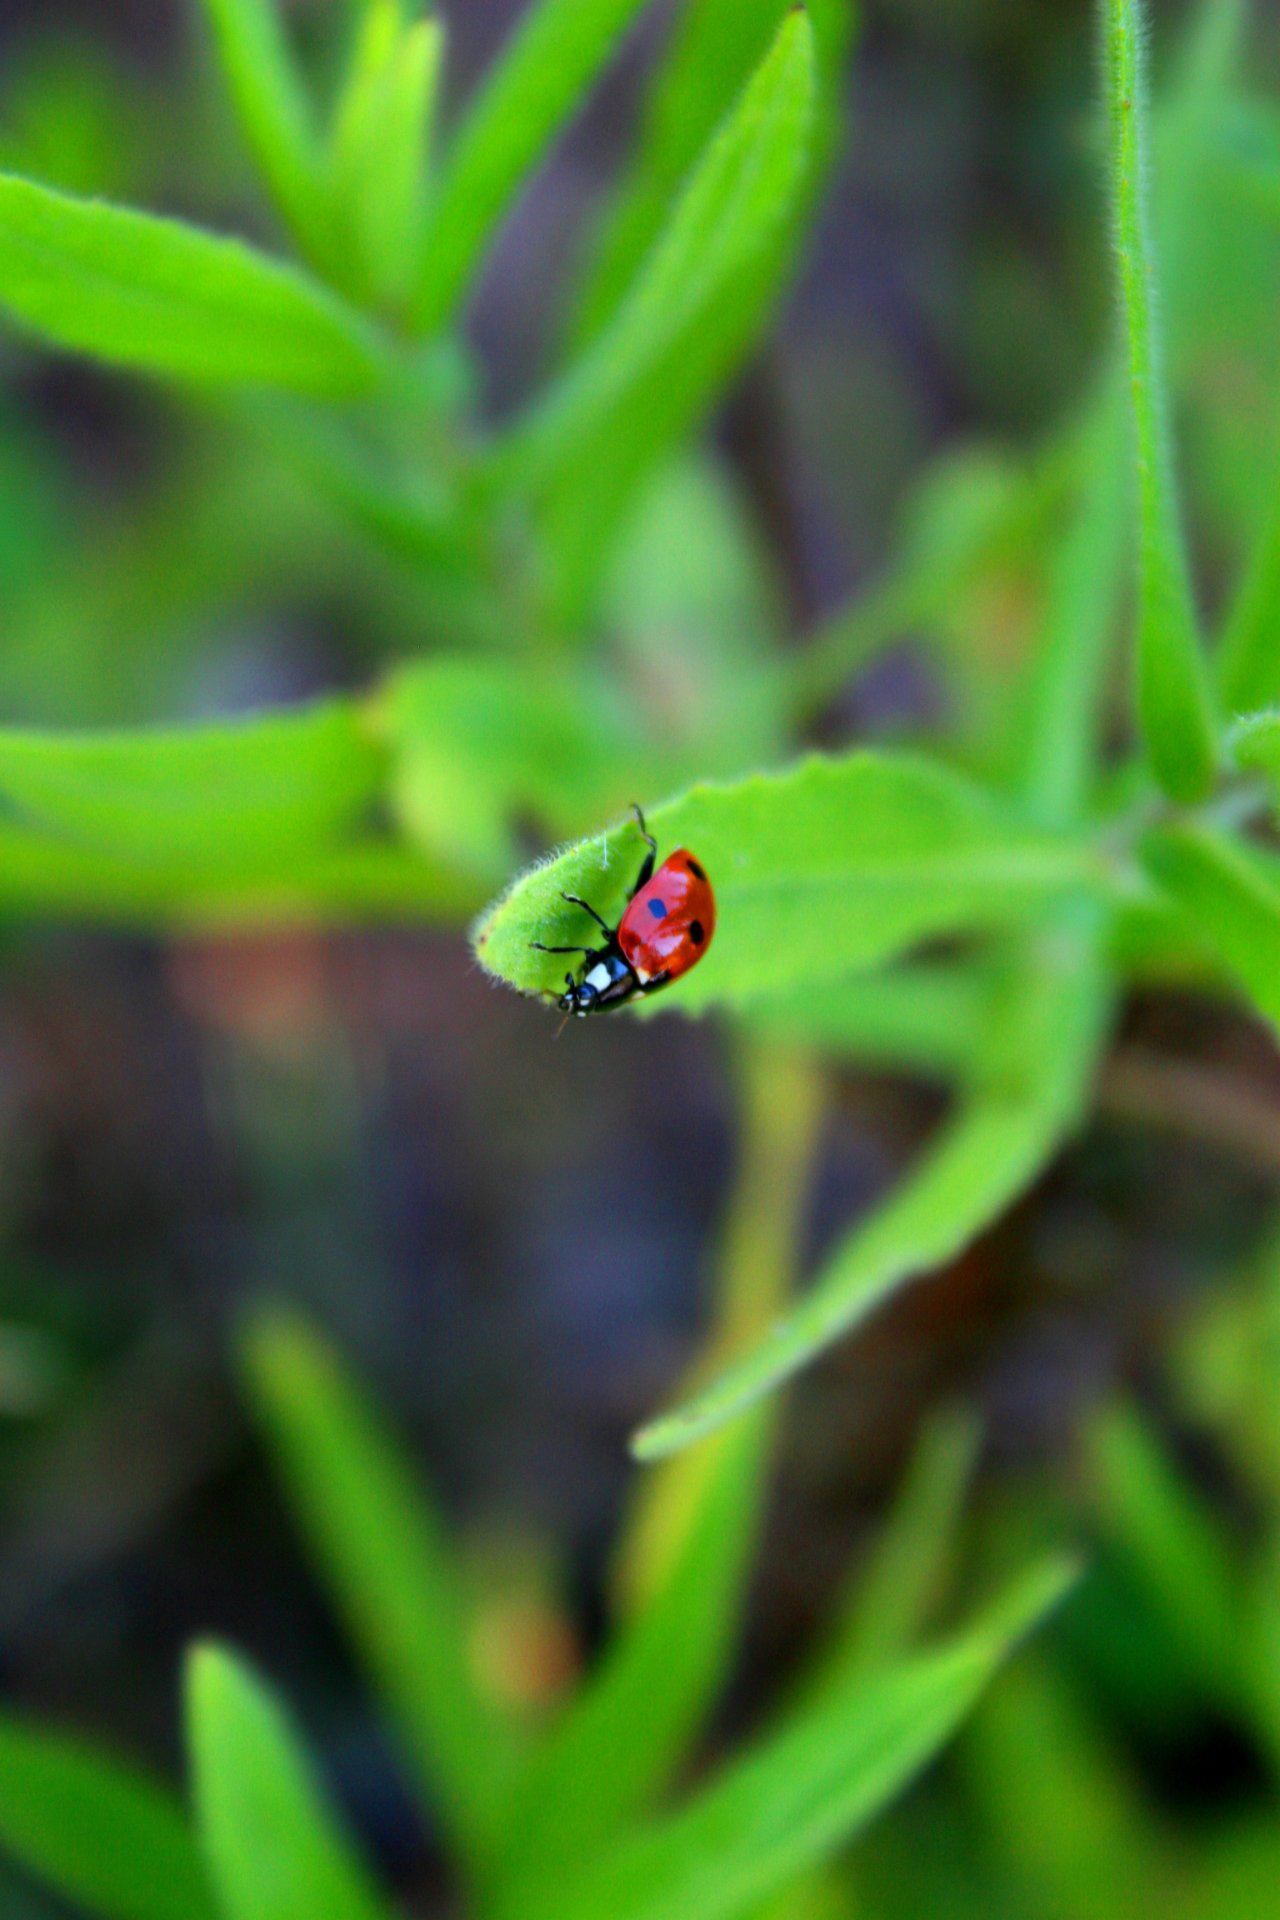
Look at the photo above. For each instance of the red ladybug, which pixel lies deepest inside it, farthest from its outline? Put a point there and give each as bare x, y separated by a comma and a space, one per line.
666, 929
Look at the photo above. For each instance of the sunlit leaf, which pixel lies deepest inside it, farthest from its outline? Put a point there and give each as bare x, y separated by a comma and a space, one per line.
1231, 905
834, 865
153, 294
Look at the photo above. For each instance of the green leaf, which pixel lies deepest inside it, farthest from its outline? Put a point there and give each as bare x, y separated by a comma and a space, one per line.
831, 866
1030, 1096
684, 326
539, 82
96, 1830
393, 1575
1062, 725
1231, 906
895, 1591
623, 1736
1174, 705
275, 114
925, 1017
287, 781
1171, 1540
138, 291
380, 147
1255, 742
716, 46
802, 1791
368, 882
275, 1850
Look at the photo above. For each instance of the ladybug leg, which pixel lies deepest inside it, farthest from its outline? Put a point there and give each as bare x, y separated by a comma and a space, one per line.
539, 948
603, 924
646, 871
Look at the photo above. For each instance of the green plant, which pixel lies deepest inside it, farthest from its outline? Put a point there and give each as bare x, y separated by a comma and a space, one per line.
529, 586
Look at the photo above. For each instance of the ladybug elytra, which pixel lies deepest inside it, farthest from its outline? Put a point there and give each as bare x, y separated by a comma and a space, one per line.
666, 929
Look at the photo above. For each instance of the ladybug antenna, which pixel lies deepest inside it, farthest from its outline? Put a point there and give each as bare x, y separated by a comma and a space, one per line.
563, 1024
640, 822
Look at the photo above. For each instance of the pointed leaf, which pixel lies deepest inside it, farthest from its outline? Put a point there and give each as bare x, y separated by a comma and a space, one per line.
1030, 1098
138, 291
831, 866
275, 1851
380, 146
275, 114
802, 1791
538, 83
393, 1574
99, 1832
1173, 686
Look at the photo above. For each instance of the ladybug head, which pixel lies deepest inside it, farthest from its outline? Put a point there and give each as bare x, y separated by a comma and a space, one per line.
579, 996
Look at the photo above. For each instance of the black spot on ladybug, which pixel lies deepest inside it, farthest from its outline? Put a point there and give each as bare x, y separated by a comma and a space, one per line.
696, 870
696, 932
658, 908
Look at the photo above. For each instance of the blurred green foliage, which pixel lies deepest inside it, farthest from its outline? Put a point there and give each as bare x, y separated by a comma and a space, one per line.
564, 608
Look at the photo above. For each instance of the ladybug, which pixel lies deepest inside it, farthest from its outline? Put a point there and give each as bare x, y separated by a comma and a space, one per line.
666, 929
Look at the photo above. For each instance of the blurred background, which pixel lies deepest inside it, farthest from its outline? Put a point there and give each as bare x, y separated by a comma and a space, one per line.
507, 1234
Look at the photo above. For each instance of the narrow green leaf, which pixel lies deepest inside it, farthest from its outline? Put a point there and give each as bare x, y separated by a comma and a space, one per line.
685, 324
716, 46
138, 291
380, 147
96, 1830
275, 114
387, 1561
831, 866
623, 1737
287, 781
1231, 906
1063, 722
1173, 1544
896, 1589
1030, 1097
1174, 705
802, 1791
539, 82
275, 1850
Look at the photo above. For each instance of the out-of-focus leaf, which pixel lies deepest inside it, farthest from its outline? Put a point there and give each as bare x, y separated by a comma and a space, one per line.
275, 114
831, 866
802, 1791
275, 1851
1171, 1543
1231, 906
138, 291
924, 1017
686, 323
1174, 705
380, 146
1248, 657
896, 1589
362, 883
1058, 1800
1029, 1097
96, 1830
716, 45
1255, 742
280, 781
538, 83
386, 1558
